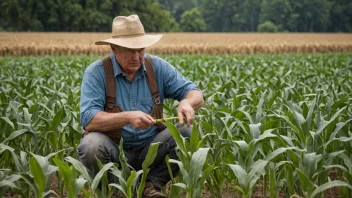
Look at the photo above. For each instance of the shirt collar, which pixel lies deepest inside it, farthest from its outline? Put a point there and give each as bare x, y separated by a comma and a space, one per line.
117, 68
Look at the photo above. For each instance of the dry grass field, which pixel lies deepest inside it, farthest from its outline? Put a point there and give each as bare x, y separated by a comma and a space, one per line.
20, 44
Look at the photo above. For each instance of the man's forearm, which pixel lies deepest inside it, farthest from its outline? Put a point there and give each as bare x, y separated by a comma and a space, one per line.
104, 121
195, 99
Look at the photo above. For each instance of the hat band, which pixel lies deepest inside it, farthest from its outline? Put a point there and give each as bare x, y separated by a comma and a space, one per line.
128, 36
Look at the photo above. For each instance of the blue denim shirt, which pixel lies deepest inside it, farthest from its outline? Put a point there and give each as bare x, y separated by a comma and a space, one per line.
131, 96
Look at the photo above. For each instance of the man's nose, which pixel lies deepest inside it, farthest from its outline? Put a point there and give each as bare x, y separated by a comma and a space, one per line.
135, 55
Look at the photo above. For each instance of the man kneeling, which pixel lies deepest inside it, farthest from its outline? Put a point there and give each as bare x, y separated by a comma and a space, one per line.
123, 94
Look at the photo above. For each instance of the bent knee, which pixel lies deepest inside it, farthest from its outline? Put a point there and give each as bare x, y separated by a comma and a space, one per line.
94, 144
93, 140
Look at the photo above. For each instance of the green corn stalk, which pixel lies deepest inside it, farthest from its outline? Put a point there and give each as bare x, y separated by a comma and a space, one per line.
84, 173
128, 179
165, 119
122, 184
191, 164
247, 180
102, 177
149, 159
218, 157
272, 181
277, 173
311, 169
7, 180
193, 178
330, 184
123, 162
126, 186
290, 179
311, 102
20, 162
39, 167
174, 118
247, 177
39, 177
347, 173
73, 183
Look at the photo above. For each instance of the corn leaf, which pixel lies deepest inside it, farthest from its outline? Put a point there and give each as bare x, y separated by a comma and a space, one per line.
38, 176
328, 185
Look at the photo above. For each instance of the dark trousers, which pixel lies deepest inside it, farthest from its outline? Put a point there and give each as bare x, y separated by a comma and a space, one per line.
101, 146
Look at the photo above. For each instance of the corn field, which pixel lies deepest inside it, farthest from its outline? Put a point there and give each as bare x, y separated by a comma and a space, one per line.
282, 122
38, 44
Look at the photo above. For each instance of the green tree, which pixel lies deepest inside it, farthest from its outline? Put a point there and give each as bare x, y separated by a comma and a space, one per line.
177, 8
10, 11
22, 15
341, 16
218, 15
267, 26
152, 16
312, 15
231, 15
191, 21
276, 11
73, 16
251, 11
157, 20
222, 15
80, 15
97, 17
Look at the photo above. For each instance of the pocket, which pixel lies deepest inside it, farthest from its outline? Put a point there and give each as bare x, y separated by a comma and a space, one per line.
146, 105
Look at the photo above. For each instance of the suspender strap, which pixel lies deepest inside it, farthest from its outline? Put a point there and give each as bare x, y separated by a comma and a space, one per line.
110, 93
151, 80
110, 83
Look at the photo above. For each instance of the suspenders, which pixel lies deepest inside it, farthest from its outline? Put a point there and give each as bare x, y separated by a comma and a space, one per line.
110, 94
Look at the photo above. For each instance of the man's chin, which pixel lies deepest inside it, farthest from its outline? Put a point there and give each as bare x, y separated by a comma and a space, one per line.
137, 66
133, 68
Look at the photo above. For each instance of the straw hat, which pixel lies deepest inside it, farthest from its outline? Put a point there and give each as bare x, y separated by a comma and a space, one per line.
129, 32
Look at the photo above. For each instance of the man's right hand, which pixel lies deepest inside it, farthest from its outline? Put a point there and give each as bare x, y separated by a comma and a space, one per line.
104, 121
139, 119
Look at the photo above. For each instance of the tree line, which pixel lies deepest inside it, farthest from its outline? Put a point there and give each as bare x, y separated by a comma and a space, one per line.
180, 15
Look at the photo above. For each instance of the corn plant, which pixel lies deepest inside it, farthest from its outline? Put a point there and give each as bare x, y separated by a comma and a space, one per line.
40, 173
295, 106
190, 164
127, 177
8, 180
347, 173
73, 183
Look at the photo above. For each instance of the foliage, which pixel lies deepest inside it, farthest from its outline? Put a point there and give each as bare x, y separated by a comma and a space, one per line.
191, 21
267, 26
166, 15
281, 120
81, 16
288, 15
277, 12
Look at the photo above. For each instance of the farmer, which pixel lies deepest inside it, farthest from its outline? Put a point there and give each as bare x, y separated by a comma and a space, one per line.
122, 96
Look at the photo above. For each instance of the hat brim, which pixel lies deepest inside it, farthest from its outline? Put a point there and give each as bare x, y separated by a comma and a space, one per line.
132, 42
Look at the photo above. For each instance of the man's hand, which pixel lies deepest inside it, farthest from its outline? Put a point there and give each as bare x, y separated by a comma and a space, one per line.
193, 101
185, 110
139, 119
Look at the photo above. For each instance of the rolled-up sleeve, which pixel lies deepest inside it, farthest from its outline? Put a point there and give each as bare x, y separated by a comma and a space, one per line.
92, 94
176, 86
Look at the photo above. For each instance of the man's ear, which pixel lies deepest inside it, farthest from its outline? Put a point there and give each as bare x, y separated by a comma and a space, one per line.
113, 48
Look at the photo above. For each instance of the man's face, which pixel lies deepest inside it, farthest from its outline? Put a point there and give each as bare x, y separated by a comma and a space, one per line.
130, 60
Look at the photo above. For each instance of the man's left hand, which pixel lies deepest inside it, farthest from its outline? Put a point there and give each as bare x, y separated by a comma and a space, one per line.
185, 110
